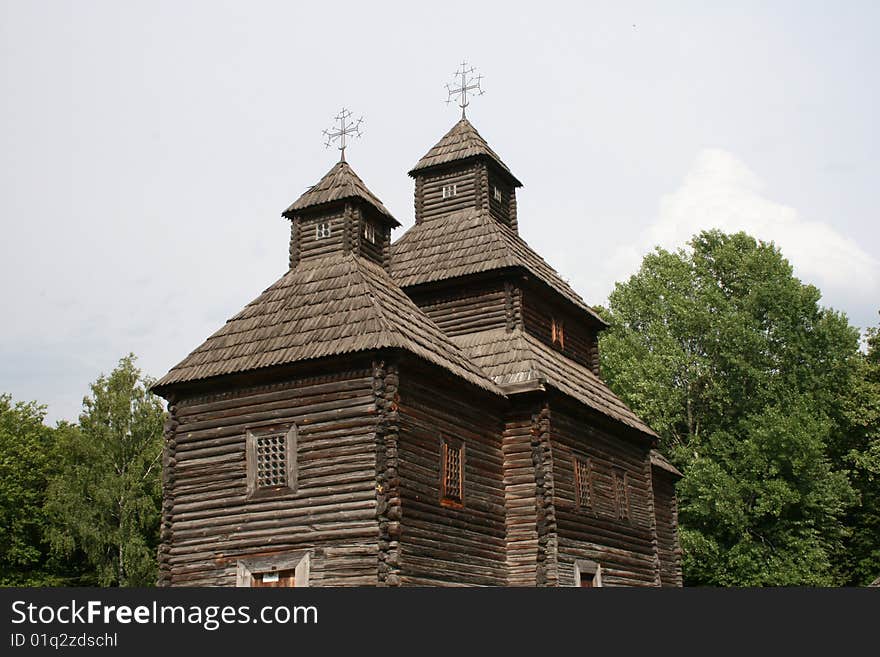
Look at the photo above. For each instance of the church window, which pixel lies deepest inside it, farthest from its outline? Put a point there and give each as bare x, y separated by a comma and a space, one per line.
621, 494
583, 483
370, 233
450, 190
322, 230
451, 472
271, 460
557, 332
497, 194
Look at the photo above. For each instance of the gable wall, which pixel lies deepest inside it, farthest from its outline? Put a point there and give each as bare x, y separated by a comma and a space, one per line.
626, 549
208, 521
581, 343
468, 306
441, 545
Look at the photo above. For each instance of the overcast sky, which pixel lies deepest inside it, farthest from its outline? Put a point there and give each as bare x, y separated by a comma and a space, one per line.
147, 149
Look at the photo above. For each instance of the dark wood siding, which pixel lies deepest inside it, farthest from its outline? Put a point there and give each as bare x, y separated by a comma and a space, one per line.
310, 246
376, 251
479, 306
624, 548
519, 498
441, 544
667, 528
500, 209
212, 523
581, 344
467, 193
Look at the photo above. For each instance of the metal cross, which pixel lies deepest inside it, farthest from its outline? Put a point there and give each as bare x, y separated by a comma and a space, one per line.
346, 128
465, 81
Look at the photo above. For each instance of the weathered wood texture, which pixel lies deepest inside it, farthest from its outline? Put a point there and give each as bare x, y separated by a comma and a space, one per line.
504, 208
521, 533
624, 547
467, 192
311, 245
441, 544
478, 306
666, 513
388, 499
580, 340
211, 523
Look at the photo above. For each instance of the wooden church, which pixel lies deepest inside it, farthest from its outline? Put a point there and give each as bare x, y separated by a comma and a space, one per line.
423, 412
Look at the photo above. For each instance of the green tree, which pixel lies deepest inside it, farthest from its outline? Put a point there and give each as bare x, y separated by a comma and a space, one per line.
862, 455
26, 463
743, 374
105, 500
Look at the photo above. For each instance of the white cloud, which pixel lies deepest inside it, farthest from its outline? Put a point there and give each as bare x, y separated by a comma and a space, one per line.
720, 191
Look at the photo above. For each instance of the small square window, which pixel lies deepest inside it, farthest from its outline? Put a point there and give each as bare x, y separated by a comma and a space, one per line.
450, 190
621, 493
557, 332
452, 472
496, 193
322, 230
370, 233
271, 461
583, 483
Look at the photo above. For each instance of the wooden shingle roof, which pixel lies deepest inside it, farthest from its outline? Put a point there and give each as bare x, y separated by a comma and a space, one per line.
469, 242
461, 142
516, 358
660, 461
338, 184
328, 306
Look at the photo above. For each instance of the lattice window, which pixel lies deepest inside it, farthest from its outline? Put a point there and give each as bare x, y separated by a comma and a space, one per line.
450, 190
621, 494
583, 483
452, 472
322, 230
271, 461
557, 332
370, 232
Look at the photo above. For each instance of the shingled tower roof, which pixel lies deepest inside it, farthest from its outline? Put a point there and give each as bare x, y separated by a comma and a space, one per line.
461, 142
470, 242
328, 306
338, 184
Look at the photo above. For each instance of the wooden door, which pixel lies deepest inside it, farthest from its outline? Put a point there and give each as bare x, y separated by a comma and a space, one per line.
277, 579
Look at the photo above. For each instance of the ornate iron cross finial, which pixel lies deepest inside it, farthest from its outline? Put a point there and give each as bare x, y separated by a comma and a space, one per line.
465, 81
346, 128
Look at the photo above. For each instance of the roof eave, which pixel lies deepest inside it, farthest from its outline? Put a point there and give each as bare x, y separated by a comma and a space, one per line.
292, 211
502, 168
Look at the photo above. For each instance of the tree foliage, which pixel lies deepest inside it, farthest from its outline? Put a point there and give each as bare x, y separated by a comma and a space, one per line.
744, 375
105, 500
861, 454
26, 464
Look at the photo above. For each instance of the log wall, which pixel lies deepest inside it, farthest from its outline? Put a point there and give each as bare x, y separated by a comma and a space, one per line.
429, 192
309, 246
581, 343
208, 521
442, 545
666, 513
520, 500
625, 548
478, 306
